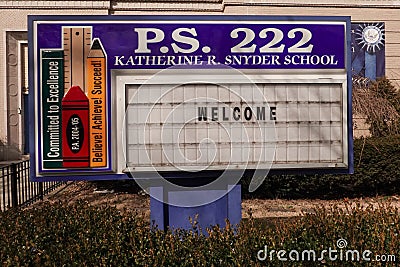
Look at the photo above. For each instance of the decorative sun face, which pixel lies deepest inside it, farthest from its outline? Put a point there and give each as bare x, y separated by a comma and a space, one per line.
371, 36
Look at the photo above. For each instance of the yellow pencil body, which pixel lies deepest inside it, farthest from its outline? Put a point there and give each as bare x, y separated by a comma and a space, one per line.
96, 86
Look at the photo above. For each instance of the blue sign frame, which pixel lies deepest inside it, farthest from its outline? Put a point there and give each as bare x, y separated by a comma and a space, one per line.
332, 51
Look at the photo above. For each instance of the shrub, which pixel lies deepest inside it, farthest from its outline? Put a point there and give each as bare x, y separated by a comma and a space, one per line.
380, 102
377, 171
81, 235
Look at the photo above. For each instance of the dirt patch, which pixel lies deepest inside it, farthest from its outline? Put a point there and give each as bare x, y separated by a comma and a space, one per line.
261, 208
128, 197
123, 196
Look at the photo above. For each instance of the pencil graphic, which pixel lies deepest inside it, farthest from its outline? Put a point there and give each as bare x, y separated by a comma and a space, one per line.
76, 45
75, 125
96, 86
52, 91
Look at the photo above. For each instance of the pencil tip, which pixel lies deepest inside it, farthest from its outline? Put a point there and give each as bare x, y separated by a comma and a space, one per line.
96, 44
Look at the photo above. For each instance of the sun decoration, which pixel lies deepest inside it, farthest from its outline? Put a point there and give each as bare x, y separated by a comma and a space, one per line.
371, 36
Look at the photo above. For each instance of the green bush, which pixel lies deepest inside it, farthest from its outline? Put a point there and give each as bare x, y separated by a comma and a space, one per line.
81, 235
377, 172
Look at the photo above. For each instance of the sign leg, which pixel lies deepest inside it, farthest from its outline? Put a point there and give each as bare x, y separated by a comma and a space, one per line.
166, 216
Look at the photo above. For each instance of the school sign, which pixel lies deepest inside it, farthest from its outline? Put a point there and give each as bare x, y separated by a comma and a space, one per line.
137, 94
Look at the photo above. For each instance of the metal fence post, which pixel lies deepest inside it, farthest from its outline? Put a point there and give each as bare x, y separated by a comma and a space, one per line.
14, 185
41, 192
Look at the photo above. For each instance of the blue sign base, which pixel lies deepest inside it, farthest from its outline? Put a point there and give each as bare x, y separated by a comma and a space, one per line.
165, 216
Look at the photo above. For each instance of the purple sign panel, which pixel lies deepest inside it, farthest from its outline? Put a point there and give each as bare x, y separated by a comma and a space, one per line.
72, 58
258, 44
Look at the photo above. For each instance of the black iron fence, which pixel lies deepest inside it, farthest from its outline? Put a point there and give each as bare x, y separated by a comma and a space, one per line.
16, 190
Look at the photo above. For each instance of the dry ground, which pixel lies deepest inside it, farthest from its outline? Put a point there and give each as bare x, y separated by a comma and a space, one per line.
124, 196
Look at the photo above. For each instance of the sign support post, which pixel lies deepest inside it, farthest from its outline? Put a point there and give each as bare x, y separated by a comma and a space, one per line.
165, 216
